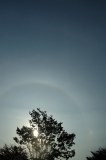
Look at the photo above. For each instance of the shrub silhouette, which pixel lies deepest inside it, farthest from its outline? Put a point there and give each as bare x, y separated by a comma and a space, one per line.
13, 153
52, 140
98, 155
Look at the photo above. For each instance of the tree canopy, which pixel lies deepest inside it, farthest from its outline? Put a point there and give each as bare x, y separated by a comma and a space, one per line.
51, 142
98, 155
13, 153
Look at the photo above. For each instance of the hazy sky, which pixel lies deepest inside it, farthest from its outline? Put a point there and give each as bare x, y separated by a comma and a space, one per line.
53, 56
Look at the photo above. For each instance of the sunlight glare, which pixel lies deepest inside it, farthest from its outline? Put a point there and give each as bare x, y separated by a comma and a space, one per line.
35, 132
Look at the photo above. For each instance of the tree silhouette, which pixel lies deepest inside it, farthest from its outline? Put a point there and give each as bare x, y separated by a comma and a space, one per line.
98, 155
52, 140
13, 153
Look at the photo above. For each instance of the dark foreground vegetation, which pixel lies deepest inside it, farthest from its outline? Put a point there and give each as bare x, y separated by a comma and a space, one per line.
50, 142
13, 153
98, 155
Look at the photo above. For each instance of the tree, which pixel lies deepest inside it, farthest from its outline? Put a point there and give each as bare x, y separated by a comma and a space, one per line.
98, 155
13, 153
52, 140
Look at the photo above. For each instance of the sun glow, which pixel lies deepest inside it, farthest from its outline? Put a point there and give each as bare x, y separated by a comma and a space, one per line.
35, 133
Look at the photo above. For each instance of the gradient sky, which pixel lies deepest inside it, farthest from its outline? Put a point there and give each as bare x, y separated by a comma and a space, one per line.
53, 56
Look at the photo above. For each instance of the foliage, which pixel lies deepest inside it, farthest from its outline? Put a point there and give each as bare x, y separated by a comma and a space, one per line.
52, 140
98, 155
13, 153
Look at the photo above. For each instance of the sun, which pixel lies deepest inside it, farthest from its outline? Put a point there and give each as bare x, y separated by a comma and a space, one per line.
35, 133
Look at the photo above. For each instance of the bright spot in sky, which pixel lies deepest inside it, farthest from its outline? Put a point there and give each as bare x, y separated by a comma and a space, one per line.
35, 132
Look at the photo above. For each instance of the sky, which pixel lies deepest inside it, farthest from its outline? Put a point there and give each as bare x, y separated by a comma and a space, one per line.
53, 56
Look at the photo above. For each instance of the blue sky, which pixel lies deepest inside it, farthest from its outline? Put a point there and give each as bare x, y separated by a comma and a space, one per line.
52, 56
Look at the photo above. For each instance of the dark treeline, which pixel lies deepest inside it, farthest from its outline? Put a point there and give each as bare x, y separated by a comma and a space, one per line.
45, 139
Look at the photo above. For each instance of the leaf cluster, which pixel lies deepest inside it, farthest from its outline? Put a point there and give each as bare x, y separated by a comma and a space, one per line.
98, 155
13, 153
52, 140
